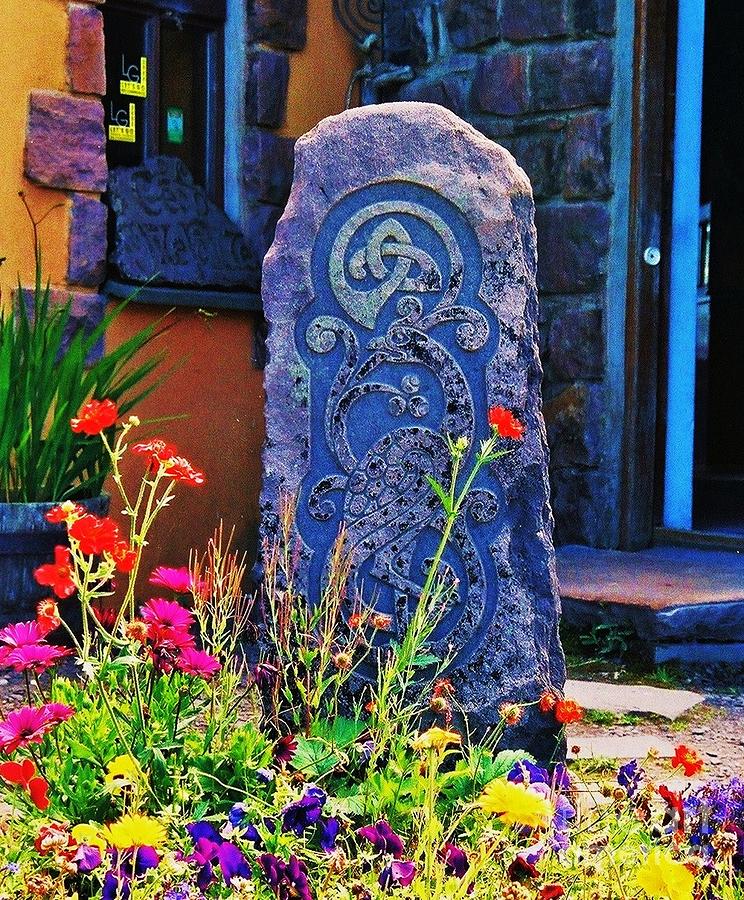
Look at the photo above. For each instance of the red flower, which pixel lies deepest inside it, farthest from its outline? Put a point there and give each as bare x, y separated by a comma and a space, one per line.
29, 725
568, 711
547, 701
687, 759
199, 663
180, 469
505, 423
94, 534
381, 622
285, 749
551, 891
94, 416
64, 511
57, 575
124, 556
24, 775
676, 806
157, 450
106, 615
47, 615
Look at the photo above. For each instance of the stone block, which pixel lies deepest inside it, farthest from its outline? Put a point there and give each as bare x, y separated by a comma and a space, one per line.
588, 156
568, 77
542, 155
573, 241
576, 347
267, 78
408, 33
65, 142
472, 23
526, 20
573, 419
259, 226
268, 161
86, 312
281, 23
500, 84
582, 507
88, 241
401, 299
86, 63
593, 16
449, 89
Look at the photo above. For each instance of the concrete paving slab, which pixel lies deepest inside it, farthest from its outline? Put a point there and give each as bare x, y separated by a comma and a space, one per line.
632, 698
618, 746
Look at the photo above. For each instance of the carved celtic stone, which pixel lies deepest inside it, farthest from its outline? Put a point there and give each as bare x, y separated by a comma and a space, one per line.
401, 301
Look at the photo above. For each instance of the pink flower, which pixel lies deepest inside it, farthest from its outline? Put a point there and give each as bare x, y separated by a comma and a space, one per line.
20, 634
167, 614
177, 580
30, 724
199, 663
35, 657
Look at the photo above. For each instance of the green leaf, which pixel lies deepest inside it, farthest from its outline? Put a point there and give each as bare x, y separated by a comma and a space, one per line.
339, 732
314, 757
444, 497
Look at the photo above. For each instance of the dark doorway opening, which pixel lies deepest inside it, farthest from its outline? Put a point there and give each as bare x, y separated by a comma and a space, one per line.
718, 498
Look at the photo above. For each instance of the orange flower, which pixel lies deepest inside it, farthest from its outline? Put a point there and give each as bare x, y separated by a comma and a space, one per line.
547, 701
94, 417
381, 622
505, 423
47, 615
687, 759
511, 713
57, 575
568, 711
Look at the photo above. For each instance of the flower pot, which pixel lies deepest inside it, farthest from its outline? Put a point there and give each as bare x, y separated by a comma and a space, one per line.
27, 541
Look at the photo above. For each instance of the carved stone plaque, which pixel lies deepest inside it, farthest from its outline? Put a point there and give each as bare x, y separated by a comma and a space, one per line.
401, 301
167, 228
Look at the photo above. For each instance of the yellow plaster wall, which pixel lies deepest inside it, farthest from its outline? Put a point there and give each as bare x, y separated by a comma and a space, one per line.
319, 74
33, 41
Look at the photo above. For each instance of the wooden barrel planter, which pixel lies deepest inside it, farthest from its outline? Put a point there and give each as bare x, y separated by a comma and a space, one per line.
27, 541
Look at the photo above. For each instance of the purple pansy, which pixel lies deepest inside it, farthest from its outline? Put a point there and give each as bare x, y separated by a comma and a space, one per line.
125, 867
629, 776
328, 835
287, 880
304, 812
398, 872
526, 771
383, 838
455, 860
210, 849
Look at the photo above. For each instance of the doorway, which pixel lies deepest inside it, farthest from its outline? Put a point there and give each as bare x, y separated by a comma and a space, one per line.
718, 485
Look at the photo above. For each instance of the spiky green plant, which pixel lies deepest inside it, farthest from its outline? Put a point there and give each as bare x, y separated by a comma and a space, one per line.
45, 377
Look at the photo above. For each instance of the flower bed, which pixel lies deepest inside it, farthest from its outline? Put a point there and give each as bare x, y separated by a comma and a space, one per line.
173, 768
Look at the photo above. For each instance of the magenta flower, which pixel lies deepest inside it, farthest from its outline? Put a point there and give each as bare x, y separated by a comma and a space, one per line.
399, 872
29, 725
284, 749
177, 580
167, 614
455, 860
383, 838
35, 657
20, 634
199, 663
288, 880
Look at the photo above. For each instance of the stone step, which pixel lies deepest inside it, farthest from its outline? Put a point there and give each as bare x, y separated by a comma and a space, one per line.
632, 698
619, 747
674, 597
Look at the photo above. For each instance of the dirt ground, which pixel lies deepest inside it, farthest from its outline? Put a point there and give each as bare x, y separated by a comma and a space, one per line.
715, 728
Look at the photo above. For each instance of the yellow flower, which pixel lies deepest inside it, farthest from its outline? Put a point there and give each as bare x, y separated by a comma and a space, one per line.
435, 739
516, 804
90, 835
123, 771
662, 876
135, 830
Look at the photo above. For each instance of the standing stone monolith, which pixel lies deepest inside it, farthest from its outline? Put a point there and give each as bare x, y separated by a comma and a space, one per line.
401, 300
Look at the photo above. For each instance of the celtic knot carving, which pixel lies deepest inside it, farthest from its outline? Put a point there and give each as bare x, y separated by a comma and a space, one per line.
396, 344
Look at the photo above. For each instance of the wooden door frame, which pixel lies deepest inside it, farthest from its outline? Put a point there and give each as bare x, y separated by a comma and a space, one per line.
646, 322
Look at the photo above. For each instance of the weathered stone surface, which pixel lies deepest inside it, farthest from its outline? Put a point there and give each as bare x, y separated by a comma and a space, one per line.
166, 226
471, 23
409, 36
633, 698
524, 20
259, 226
401, 298
500, 84
582, 505
588, 154
86, 64
542, 155
268, 161
88, 241
593, 16
569, 76
619, 747
281, 23
573, 244
267, 78
576, 344
573, 419
448, 89
65, 142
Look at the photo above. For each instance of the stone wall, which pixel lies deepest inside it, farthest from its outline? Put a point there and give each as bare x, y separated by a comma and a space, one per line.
66, 150
537, 77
